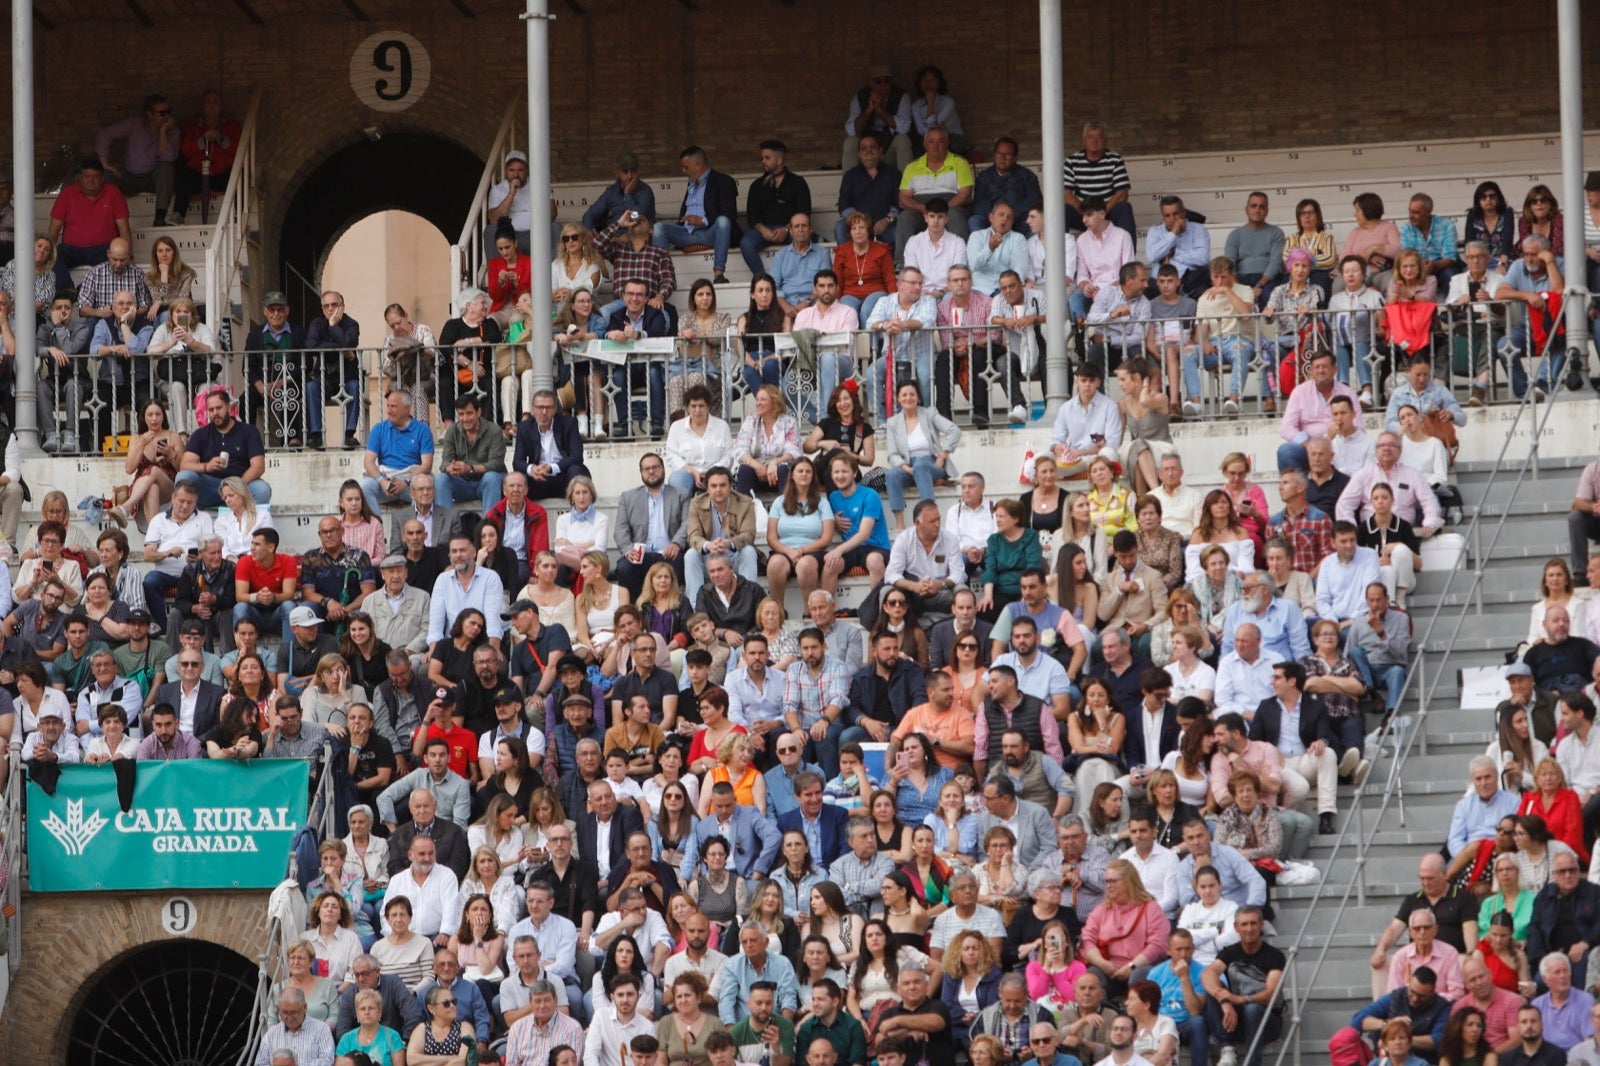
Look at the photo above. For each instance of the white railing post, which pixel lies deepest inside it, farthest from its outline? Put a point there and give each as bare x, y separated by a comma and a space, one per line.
230, 237
467, 254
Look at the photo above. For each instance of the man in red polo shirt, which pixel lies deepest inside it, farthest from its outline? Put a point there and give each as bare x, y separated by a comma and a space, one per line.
86, 217
264, 584
443, 721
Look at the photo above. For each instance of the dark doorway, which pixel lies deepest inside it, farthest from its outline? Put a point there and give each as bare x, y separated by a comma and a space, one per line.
416, 172
180, 1003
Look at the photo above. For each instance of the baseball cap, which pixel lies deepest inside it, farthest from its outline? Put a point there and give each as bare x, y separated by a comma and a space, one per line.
516, 156
445, 695
1518, 670
304, 616
275, 299
193, 625
570, 662
517, 608
508, 693
879, 70
139, 614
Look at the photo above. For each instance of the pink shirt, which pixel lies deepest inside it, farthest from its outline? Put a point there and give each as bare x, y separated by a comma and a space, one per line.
1445, 961
1263, 758
1049, 728
1307, 410
841, 317
1385, 238
1499, 1017
1100, 258
1122, 933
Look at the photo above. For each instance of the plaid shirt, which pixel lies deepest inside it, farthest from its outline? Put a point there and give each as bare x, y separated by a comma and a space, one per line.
339, 578
807, 696
101, 285
649, 264
1310, 535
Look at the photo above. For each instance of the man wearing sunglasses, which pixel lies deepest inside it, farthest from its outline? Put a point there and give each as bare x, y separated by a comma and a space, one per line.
150, 152
883, 108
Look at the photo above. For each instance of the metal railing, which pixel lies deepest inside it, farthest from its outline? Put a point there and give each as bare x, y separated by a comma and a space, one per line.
229, 251
467, 253
1552, 361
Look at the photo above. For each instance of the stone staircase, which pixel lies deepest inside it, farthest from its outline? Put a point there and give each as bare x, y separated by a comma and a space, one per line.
1434, 776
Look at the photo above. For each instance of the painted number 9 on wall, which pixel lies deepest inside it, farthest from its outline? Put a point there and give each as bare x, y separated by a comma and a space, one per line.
389, 71
179, 916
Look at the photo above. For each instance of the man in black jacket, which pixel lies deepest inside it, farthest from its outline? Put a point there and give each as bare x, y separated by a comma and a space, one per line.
603, 831
549, 467
450, 840
710, 202
1299, 727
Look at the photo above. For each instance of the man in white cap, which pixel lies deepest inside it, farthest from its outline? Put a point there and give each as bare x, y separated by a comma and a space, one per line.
510, 199
307, 645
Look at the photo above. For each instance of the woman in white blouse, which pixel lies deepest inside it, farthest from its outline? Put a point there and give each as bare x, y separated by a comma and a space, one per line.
576, 266
238, 519
1190, 676
697, 442
1555, 590
583, 529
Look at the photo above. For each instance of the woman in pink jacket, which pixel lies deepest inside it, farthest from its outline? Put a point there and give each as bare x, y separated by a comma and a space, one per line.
1126, 929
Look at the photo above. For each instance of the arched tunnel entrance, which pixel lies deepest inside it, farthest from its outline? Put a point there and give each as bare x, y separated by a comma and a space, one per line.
180, 1002
424, 174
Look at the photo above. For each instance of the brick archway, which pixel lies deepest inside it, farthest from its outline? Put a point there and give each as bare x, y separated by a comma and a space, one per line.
69, 941
421, 172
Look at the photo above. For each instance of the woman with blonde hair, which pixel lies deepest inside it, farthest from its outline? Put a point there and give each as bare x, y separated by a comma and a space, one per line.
1182, 610
971, 971
44, 274
577, 266
488, 876
768, 443
330, 695
1126, 929
238, 519
736, 765
407, 361
582, 529
597, 604
505, 831
185, 344
665, 611
322, 995
783, 644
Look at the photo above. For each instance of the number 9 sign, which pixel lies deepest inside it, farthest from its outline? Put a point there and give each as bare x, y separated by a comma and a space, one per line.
389, 71
178, 916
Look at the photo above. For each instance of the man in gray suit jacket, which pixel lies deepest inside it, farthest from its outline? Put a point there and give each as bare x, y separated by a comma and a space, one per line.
1035, 830
401, 1012
753, 837
642, 544
437, 520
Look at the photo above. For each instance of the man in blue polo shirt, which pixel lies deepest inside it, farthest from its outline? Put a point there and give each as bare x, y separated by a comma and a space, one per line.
858, 514
398, 449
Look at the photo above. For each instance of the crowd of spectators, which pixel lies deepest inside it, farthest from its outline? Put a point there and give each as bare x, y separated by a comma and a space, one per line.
605, 799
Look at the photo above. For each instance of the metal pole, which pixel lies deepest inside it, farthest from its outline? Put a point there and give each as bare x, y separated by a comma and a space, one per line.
27, 427
1052, 115
538, 25
1570, 49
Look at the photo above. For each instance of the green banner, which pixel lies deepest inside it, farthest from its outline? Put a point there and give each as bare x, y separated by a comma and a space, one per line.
193, 823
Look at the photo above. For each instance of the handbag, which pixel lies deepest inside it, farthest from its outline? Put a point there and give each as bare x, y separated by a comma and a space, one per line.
512, 359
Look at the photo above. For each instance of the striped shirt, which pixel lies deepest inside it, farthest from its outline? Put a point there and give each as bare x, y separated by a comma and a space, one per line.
1095, 177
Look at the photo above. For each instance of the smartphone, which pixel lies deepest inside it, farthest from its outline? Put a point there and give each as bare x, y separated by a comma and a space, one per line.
902, 759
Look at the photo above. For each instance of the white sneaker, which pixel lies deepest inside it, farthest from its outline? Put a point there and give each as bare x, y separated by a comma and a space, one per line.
1229, 1056
1019, 415
175, 219
1191, 409
1347, 764
1366, 398
51, 444
1362, 770
583, 425
1230, 406
69, 442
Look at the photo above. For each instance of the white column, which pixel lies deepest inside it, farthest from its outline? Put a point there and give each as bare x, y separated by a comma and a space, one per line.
1052, 112
538, 26
1570, 48
27, 427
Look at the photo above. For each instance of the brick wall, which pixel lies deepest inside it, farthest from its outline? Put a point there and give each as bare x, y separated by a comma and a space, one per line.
651, 75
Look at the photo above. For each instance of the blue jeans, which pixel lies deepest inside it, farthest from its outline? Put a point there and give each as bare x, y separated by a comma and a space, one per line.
210, 488
825, 752
156, 587
750, 246
1393, 678
1356, 351
1252, 1016
769, 373
487, 487
1232, 352
923, 472
1198, 1032
69, 256
268, 620
682, 479
376, 498
1513, 347
745, 563
352, 410
863, 305
1348, 733
656, 390
719, 234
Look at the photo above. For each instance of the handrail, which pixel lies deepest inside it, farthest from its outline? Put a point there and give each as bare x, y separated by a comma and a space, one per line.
229, 237
466, 255
11, 897
1289, 1035
270, 966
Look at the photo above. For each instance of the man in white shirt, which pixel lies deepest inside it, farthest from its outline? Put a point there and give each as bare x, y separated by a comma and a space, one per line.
1180, 505
1244, 675
971, 519
511, 199
1088, 424
934, 251
827, 314
171, 540
465, 584
697, 956
926, 563
1352, 448
612, 1027
633, 918
1343, 578
1578, 754
431, 889
1157, 865
1120, 1035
